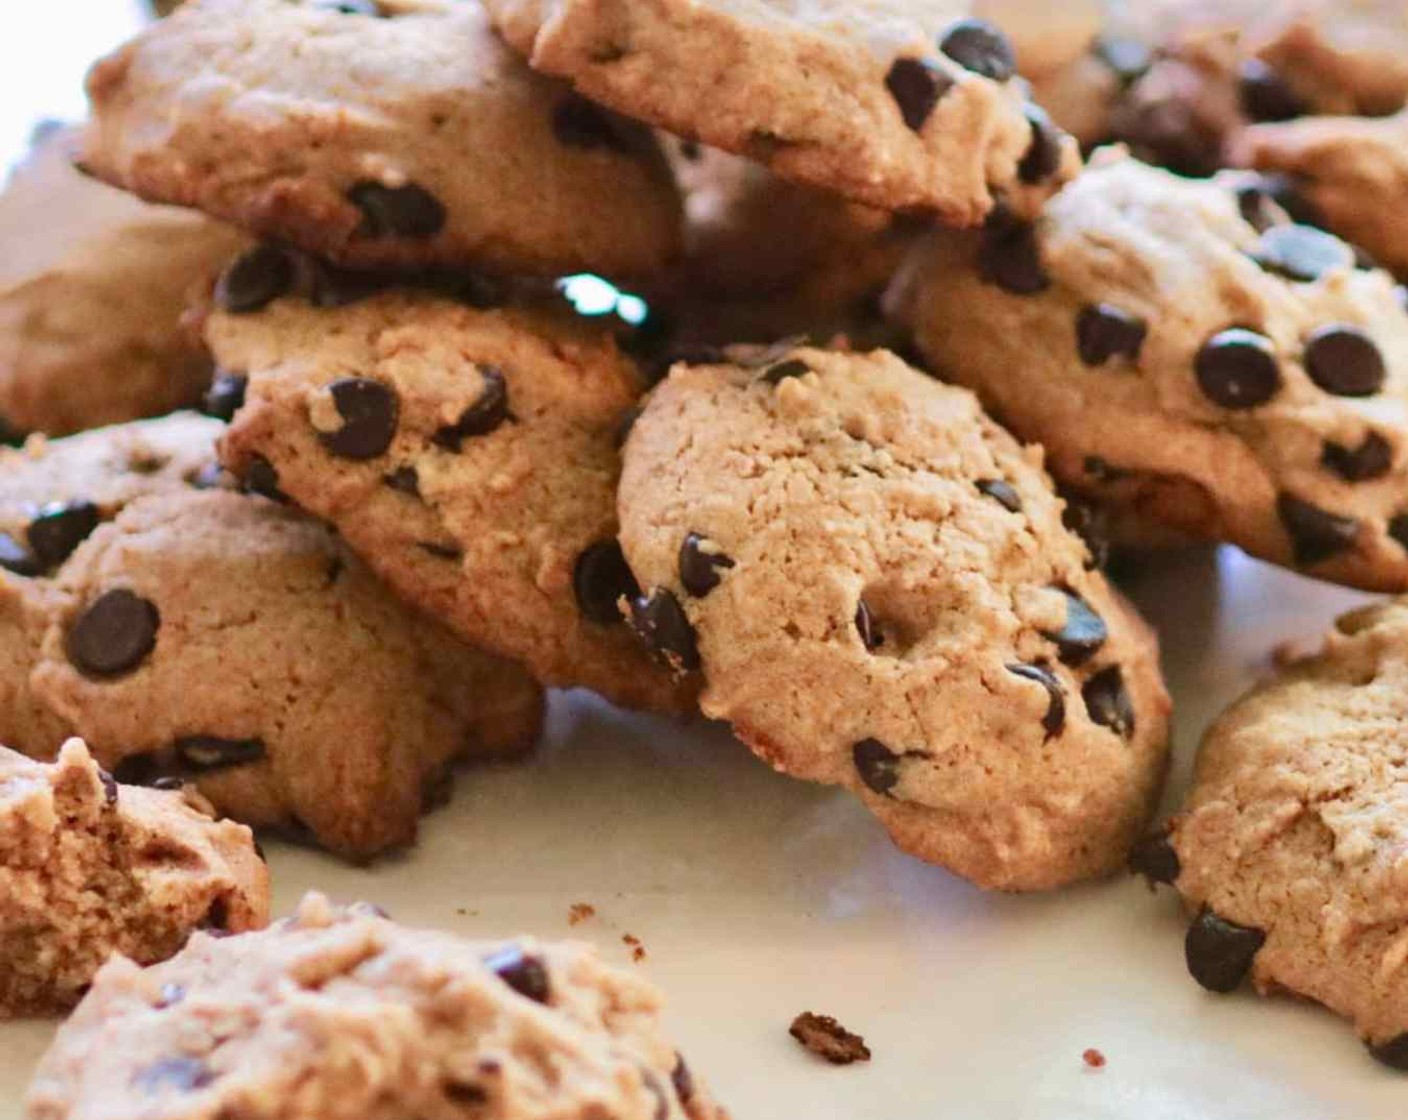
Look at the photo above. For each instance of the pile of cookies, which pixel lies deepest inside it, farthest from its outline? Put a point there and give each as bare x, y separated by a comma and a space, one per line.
715, 358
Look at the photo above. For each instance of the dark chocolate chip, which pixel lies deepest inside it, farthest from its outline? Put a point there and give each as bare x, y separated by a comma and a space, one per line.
14, 557
683, 1080
792, 367
209, 752
877, 765
916, 84
1043, 155
578, 123
1128, 58
481, 417
1316, 534
1055, 718
184, 1075
1219, 953
263, 478
1089, 524
464, 1093
59, 528
1301, 252
980, 47
1108, 702
225, 396
870, 635
139, 770
524, 972
405, 480
369, 410
1259, 209
1154, 857
600, 579
1237, 369
1343, 360
352, 7
1264, 94
1084, 631
1010, 258
110, 790
660, 622
113, 635
1002, 492
169, 995
1104, 331
700, 567
1373, 458
441, 551
1393, 1053
255, 279
406, 211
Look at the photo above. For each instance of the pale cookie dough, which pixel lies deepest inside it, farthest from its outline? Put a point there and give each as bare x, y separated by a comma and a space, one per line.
93, 284
339, 1013
1181, 348
876, 585
893, 104
89, 868
394, 133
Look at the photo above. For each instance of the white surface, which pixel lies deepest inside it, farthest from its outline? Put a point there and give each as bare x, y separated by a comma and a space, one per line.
757, 897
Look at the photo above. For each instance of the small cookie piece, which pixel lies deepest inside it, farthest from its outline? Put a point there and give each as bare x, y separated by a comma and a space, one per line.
1290, 848
468, 455
897, 105
438, 147
877, 585
93, 284
89, 868
828, 1039
338, 1012
1183, 349
196, 633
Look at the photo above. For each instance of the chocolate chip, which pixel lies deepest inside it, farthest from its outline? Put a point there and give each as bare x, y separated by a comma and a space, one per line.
263, 478
225, 396
1398, 529
700, 566
369, 410
1301, 252
110, 789
59, 528
1043, 155
481, 417
139, 770
351, 7
1089, 524
1055, 718
1343, 360
405, 480
1104, 331
441, 551
1010, 258
255, 279
828, 1039
464, 1093
524, 972
184, 1075
1083, 633
1316, 534
1393, 1053
980, 47
1219, 953
406, 211
113, 635
1002, 492
1108, 703
1128, 58
332, 286
1373, 458
1154, 857
870, 635
916, 84
578, 123
1237, 369
877, 765
15, 557
600, 578
683, 1080
792, 367
1264, 94
1259, 209
660, 622
209, 752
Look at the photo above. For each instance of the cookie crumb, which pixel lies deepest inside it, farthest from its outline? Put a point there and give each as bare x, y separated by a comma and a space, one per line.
1093, 1059
580, 912
826, 1038
637, 949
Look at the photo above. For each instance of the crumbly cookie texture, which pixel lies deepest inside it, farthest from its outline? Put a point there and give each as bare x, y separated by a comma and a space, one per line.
338, 1012
468, 454
1351, 171
437, 147
191, 632
1182, 348
896, 105
89, 868
93, 284
1290, 847
876, 584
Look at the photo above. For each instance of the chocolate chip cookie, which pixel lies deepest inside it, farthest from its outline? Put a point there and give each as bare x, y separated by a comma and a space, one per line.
193, 633
396, 132
468, 454
339, 1012
89, 868
1290, 848
875, 584
1186, 350
896, 105
93, 284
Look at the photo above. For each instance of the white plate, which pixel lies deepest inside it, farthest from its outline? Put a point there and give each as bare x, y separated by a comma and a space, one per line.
757, 897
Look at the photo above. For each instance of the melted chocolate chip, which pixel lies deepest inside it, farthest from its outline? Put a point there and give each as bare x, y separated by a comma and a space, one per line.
524, 972
1219, 953
406, 211
1054, 721
1043, 155
404, 480
1237, 369
916, 85
1301, 252
700, 567
578, 123
15, 557
209, 752
481, 417
600, 579
1393, 1053
225, 396
1154, 857
1104, 331
1343, 360
877, 765
1002, 492
113, 634
781, 371
184, 1075
263, 478
1108, 702
1084, 631
255, 279
1316, 534
1011, 259
1372, 459
870, 635
369, 411
660, 622
59, 528
1264, 94
980, 47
